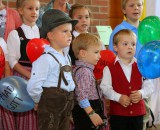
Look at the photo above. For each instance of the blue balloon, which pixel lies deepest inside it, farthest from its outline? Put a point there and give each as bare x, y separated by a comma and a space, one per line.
14, 96
149, 60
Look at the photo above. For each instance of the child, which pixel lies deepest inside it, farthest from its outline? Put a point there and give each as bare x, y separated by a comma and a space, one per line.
51, 84
83, 15
18, 59
62, 5
132, 10
8, 16
123, 84
6, 117
88, 113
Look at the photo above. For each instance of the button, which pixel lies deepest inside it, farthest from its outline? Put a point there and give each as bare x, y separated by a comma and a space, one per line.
130, 103
131, 112
130, 87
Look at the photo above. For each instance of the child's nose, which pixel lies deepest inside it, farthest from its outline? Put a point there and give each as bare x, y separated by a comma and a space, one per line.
136, 6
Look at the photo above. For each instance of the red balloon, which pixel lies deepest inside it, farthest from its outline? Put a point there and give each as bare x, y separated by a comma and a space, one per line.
107, 57
2, 62
35, 48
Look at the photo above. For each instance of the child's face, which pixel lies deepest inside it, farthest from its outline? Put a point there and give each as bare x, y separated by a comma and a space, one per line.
83, 17
30, 12
60, 37
92, 54
126, 47
133, 10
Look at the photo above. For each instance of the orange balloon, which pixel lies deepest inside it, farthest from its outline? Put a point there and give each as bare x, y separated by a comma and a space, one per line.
2, 62
107, 57
35, 48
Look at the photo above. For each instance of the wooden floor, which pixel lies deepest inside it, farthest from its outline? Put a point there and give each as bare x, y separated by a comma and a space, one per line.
158, 128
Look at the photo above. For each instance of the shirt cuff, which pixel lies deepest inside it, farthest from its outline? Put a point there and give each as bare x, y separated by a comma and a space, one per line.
117, 97
142, 94
84, 103
36, 99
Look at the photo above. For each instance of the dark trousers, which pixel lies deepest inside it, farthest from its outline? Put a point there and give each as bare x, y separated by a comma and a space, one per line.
54, 109
126, 123
81, 119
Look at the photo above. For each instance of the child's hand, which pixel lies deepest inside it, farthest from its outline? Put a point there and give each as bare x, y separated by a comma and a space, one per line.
135, 96
96, 119
124, 100
36, 106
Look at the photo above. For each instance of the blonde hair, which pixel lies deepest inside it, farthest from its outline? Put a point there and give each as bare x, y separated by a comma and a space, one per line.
21, 3
84, 41
116, 37
123, 3
78, 6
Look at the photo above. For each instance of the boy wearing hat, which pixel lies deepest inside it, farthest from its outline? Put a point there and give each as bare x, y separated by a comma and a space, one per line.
51, 84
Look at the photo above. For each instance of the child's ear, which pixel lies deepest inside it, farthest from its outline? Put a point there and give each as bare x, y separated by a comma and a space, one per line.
115, 48
49, 35
82, 53
124, 11
20, 11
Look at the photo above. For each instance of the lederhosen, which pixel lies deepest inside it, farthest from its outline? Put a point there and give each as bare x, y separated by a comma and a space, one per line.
55, 105
25, 120
81, 119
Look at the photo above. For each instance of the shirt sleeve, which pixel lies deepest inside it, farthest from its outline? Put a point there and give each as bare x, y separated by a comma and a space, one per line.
39, 73
106, 86
4, 48
84, 103
147, 88
83, 79
13, 44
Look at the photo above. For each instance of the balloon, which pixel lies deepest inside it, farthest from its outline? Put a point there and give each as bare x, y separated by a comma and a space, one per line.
14, 96
2, 62
149, 29
148, 60
35, 48
107, 57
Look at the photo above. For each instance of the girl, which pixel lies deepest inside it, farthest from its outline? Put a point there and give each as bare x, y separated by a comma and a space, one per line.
6, 117
18, 59
83, 15
7, 16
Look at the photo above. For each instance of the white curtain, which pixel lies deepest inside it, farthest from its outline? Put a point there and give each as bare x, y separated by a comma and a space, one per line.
153, 7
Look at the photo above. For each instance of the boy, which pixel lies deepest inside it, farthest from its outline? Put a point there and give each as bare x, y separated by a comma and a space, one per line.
51, 84
123, 84
132, 10
88, 112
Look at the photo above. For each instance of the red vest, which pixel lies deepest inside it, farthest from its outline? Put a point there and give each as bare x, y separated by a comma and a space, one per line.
121, 85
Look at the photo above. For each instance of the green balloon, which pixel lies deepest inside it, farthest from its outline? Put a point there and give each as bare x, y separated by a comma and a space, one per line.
149, 29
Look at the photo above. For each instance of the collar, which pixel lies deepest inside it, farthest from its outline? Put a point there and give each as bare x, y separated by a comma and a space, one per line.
120, 61
75, 33
48, 48
29, 27
84, 64
128, 25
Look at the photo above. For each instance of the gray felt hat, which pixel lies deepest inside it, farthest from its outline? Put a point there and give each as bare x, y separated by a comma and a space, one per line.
53, 18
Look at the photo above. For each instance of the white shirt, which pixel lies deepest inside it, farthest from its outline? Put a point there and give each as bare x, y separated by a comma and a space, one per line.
45, 73
107, 88
4, 48
13, 42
